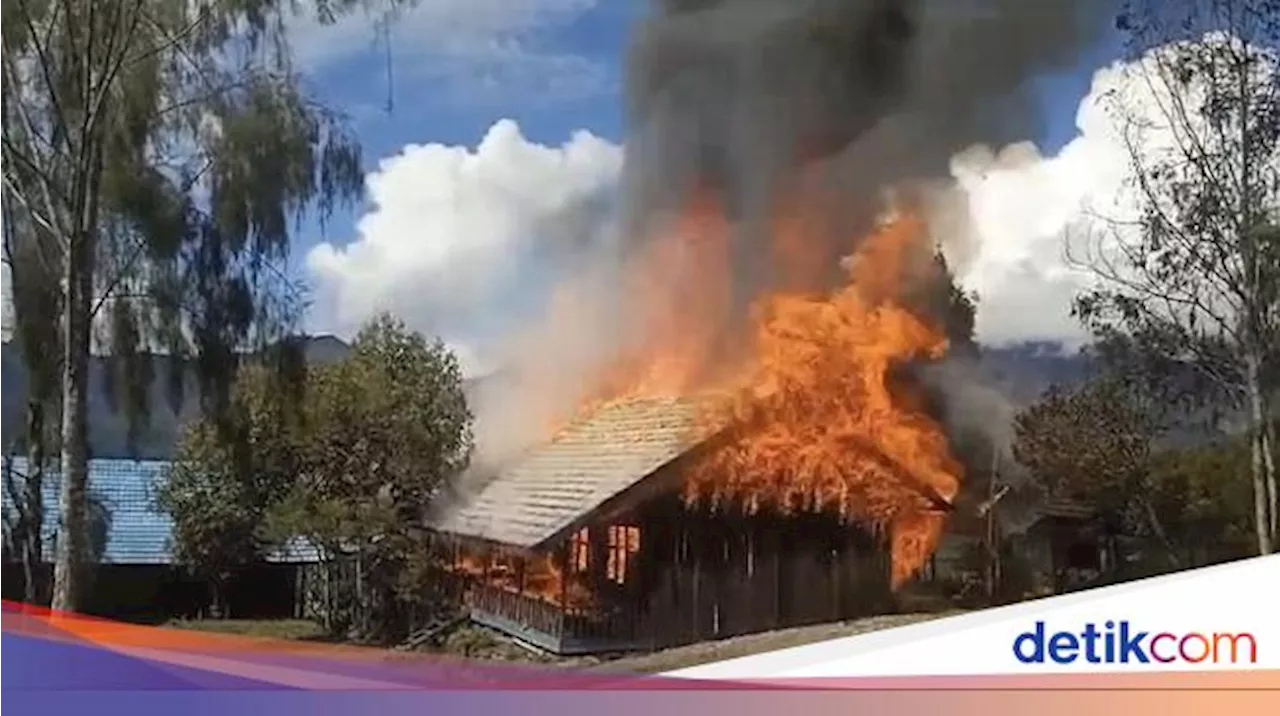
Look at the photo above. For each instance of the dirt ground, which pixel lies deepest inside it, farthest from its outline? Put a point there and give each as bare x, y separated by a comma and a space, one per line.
704, 652
475, 642
295, 629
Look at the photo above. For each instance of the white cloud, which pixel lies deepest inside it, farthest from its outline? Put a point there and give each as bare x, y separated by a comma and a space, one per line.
452, 227
451, 230
1033, 220
1023, 207
474, 47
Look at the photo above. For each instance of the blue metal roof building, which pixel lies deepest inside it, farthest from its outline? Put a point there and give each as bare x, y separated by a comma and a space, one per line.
137, 532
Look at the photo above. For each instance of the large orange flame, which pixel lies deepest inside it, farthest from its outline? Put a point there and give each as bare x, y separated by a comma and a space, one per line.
816, 420
678, 292
535, 576
810, 413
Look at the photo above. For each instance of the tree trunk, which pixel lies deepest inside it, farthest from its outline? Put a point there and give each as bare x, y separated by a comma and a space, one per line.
360, 619
73, 498
218, 597
33, 499
1157, 527
1269, 469
329, 600
1263, 483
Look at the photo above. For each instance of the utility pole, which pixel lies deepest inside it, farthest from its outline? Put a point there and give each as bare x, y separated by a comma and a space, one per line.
991, 527
995, 491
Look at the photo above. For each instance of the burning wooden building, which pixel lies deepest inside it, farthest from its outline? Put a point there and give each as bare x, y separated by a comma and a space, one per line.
588, 545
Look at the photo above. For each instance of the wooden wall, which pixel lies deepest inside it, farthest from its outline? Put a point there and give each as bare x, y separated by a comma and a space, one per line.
702, 575
711, 576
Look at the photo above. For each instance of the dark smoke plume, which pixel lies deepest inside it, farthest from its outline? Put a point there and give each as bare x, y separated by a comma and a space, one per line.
738, 95
831, 99
831, 102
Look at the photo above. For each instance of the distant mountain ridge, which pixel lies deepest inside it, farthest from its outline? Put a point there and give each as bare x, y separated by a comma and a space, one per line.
1024, 371
109, 428
1021, 372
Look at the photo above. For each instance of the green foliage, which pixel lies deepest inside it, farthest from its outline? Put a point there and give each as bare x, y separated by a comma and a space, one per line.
1205, 497
155, 157
200, 232
1191, 287
352, 468
202, 154
214, 523
1099, 444
223, 482
959, 308
1174, 389
1198, 281
385, 429
934, 293
1091, 443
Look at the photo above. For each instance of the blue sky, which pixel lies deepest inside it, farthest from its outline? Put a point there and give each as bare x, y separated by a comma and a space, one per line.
554, 67
425, 107
1060, 93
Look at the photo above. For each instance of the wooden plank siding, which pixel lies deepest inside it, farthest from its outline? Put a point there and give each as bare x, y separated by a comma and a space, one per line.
700, 576
697, 573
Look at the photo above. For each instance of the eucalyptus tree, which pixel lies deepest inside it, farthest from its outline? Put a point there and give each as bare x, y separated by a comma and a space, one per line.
158, 156
35, 296
1191, 280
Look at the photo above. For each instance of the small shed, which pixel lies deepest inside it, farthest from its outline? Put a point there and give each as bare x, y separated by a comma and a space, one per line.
585, 545
1068, 543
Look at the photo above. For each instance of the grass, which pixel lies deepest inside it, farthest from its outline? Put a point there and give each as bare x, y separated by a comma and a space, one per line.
470, 641
294, 629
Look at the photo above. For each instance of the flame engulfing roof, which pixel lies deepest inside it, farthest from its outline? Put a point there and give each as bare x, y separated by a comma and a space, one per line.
550, 487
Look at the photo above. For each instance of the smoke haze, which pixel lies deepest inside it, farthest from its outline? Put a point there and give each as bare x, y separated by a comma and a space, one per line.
829, 103
865, 94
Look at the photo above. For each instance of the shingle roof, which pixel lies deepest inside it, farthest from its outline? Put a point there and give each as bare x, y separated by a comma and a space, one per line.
137, 532
584, 465
1062, 508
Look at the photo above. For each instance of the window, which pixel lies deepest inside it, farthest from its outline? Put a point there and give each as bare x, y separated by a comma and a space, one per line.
580, 551
624, 543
